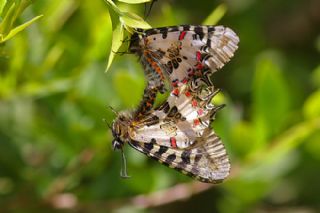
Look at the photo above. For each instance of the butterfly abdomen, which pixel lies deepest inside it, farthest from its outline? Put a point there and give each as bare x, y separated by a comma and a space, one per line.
152, 63
147, 102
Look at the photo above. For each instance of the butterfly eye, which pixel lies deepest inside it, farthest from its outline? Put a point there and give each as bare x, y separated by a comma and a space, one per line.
116, 144
134, 44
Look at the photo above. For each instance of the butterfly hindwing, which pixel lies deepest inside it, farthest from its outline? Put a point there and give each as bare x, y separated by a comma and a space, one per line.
178, 134
183, 117
206, 160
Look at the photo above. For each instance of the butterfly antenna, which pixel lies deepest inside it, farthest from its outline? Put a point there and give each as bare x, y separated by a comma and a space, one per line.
109, 126
106, 122
123, 171
114, 111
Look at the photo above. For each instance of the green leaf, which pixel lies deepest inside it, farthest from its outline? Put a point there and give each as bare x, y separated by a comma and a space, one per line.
312, 145
2, 4
19, 28
311, 108
270, 97
121, 20
7, 22
117, 31
216, 15
36, 89
135, 1
117, 37
134, 21
113, 7
242, 139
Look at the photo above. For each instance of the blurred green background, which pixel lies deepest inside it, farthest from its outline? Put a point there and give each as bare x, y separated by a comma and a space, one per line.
55, 148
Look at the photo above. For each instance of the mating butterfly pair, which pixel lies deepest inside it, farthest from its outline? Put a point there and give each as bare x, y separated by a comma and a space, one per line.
178, 132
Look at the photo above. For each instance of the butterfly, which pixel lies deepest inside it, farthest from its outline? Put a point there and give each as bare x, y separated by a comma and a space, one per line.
180, 54
178, 134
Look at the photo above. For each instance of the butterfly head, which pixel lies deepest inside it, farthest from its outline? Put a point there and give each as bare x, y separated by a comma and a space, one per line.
120, 127
135, 43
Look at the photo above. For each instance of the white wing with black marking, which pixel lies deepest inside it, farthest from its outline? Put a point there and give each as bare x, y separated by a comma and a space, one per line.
178, 134
188, 51
206, 160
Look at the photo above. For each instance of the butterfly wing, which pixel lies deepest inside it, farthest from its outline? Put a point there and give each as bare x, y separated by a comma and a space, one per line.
178, 134
207, 161
181, 53
188, 51
183, 117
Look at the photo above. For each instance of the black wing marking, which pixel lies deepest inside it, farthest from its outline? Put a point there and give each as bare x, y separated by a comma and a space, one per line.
206, 160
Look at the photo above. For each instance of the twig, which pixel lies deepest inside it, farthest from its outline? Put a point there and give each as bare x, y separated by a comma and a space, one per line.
177, 192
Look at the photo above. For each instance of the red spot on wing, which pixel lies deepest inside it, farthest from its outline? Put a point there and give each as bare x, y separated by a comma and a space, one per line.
198, 56
173, 142
196, 122
194, 103
184, 81
200, 111
199, 66
182, 35
176, 92
188, 94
